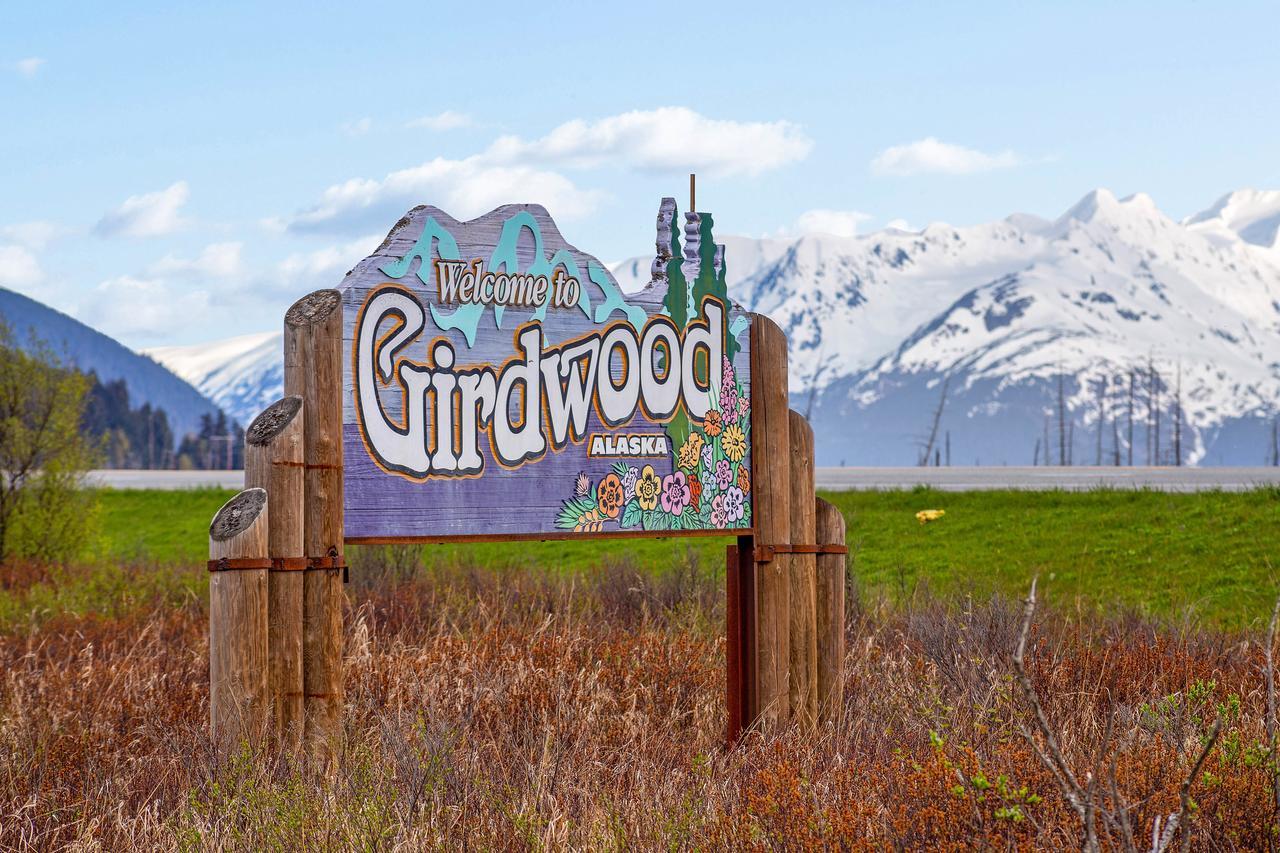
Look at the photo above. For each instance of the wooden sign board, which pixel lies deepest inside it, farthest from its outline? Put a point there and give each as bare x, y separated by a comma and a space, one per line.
499, 383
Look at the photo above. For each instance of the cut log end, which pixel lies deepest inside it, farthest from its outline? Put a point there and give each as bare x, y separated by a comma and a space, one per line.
313, 308
237, 514
272, 420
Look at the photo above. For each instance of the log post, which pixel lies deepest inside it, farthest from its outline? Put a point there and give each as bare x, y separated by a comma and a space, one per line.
831, 613
804, 625
273, 461
313, 371
771, 508
238, 620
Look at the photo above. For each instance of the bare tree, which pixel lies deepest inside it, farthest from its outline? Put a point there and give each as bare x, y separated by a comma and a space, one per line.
1062, 421
1083, 797
1035, 459
1047, 460
1275, 442
1133, 382
1115, 441
948, 448
1155, 412
1177, 419
937, 418
1102, 415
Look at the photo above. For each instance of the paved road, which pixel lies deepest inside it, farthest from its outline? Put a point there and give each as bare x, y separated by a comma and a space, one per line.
124, 479
947, 479
1071, 479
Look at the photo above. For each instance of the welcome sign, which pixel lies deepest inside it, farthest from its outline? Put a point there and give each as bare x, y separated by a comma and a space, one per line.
498, 382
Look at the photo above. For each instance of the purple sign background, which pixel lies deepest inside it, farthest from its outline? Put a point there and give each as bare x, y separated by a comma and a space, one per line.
448, 321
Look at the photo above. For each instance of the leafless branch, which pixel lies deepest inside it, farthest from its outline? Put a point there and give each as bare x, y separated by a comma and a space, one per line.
1081, 800
1271, 704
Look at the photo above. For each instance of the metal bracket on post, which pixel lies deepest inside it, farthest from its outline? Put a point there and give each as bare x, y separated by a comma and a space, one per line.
766, 553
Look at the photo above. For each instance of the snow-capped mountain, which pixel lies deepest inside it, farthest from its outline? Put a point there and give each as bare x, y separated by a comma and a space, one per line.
1111, 294
997, 312
243, 375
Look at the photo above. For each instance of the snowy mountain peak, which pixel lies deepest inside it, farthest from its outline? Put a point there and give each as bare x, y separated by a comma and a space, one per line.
1251, 215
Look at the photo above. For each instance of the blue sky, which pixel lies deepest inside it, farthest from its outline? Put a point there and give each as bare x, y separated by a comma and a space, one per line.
179, 175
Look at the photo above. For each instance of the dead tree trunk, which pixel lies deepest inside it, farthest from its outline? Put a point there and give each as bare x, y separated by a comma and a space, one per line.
937, 418
1133, 382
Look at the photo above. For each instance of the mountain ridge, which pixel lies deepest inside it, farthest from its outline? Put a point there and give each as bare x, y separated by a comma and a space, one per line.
1110, 293
87, 349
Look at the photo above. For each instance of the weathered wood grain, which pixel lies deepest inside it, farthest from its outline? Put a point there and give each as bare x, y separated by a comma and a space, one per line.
238, 697
273, 460
803, 620
313, 371
831, 612
771, 431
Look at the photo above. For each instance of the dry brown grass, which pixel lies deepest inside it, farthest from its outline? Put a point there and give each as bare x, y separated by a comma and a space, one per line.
533, 710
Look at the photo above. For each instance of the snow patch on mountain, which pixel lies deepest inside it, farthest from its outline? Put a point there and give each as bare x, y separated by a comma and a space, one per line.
243, 375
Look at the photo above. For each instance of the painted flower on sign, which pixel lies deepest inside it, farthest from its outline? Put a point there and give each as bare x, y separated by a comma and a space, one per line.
675, 493
691, 452
724, 474
744, 479
648, 488
734, 504
712, 423
695, 493
708, 457
717, 511
609, 495
734, 443
629, 483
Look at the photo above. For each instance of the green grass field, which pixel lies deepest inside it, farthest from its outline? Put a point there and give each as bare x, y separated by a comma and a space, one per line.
1158, 554
1151, 552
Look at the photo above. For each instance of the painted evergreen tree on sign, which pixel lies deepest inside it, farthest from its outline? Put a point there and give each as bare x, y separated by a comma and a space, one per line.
710, 483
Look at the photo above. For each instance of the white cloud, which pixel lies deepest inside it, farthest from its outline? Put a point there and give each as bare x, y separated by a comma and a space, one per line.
900, 225
668, 139
841, 223
33, 235
19, 269
932, 156
147, 215
447, 120
465, 187
217, 260
305, 271
359, 127
30, 66
142, 308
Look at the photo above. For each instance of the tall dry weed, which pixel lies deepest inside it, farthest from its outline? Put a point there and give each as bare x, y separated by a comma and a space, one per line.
518, 710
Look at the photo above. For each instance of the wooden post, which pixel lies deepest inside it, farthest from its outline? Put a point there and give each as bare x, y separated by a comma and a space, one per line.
804, 625
313, 371
771, 508
273, 461
238, 620
831, 614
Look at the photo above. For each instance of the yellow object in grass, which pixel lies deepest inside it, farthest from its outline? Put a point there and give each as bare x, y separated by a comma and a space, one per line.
925, 516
